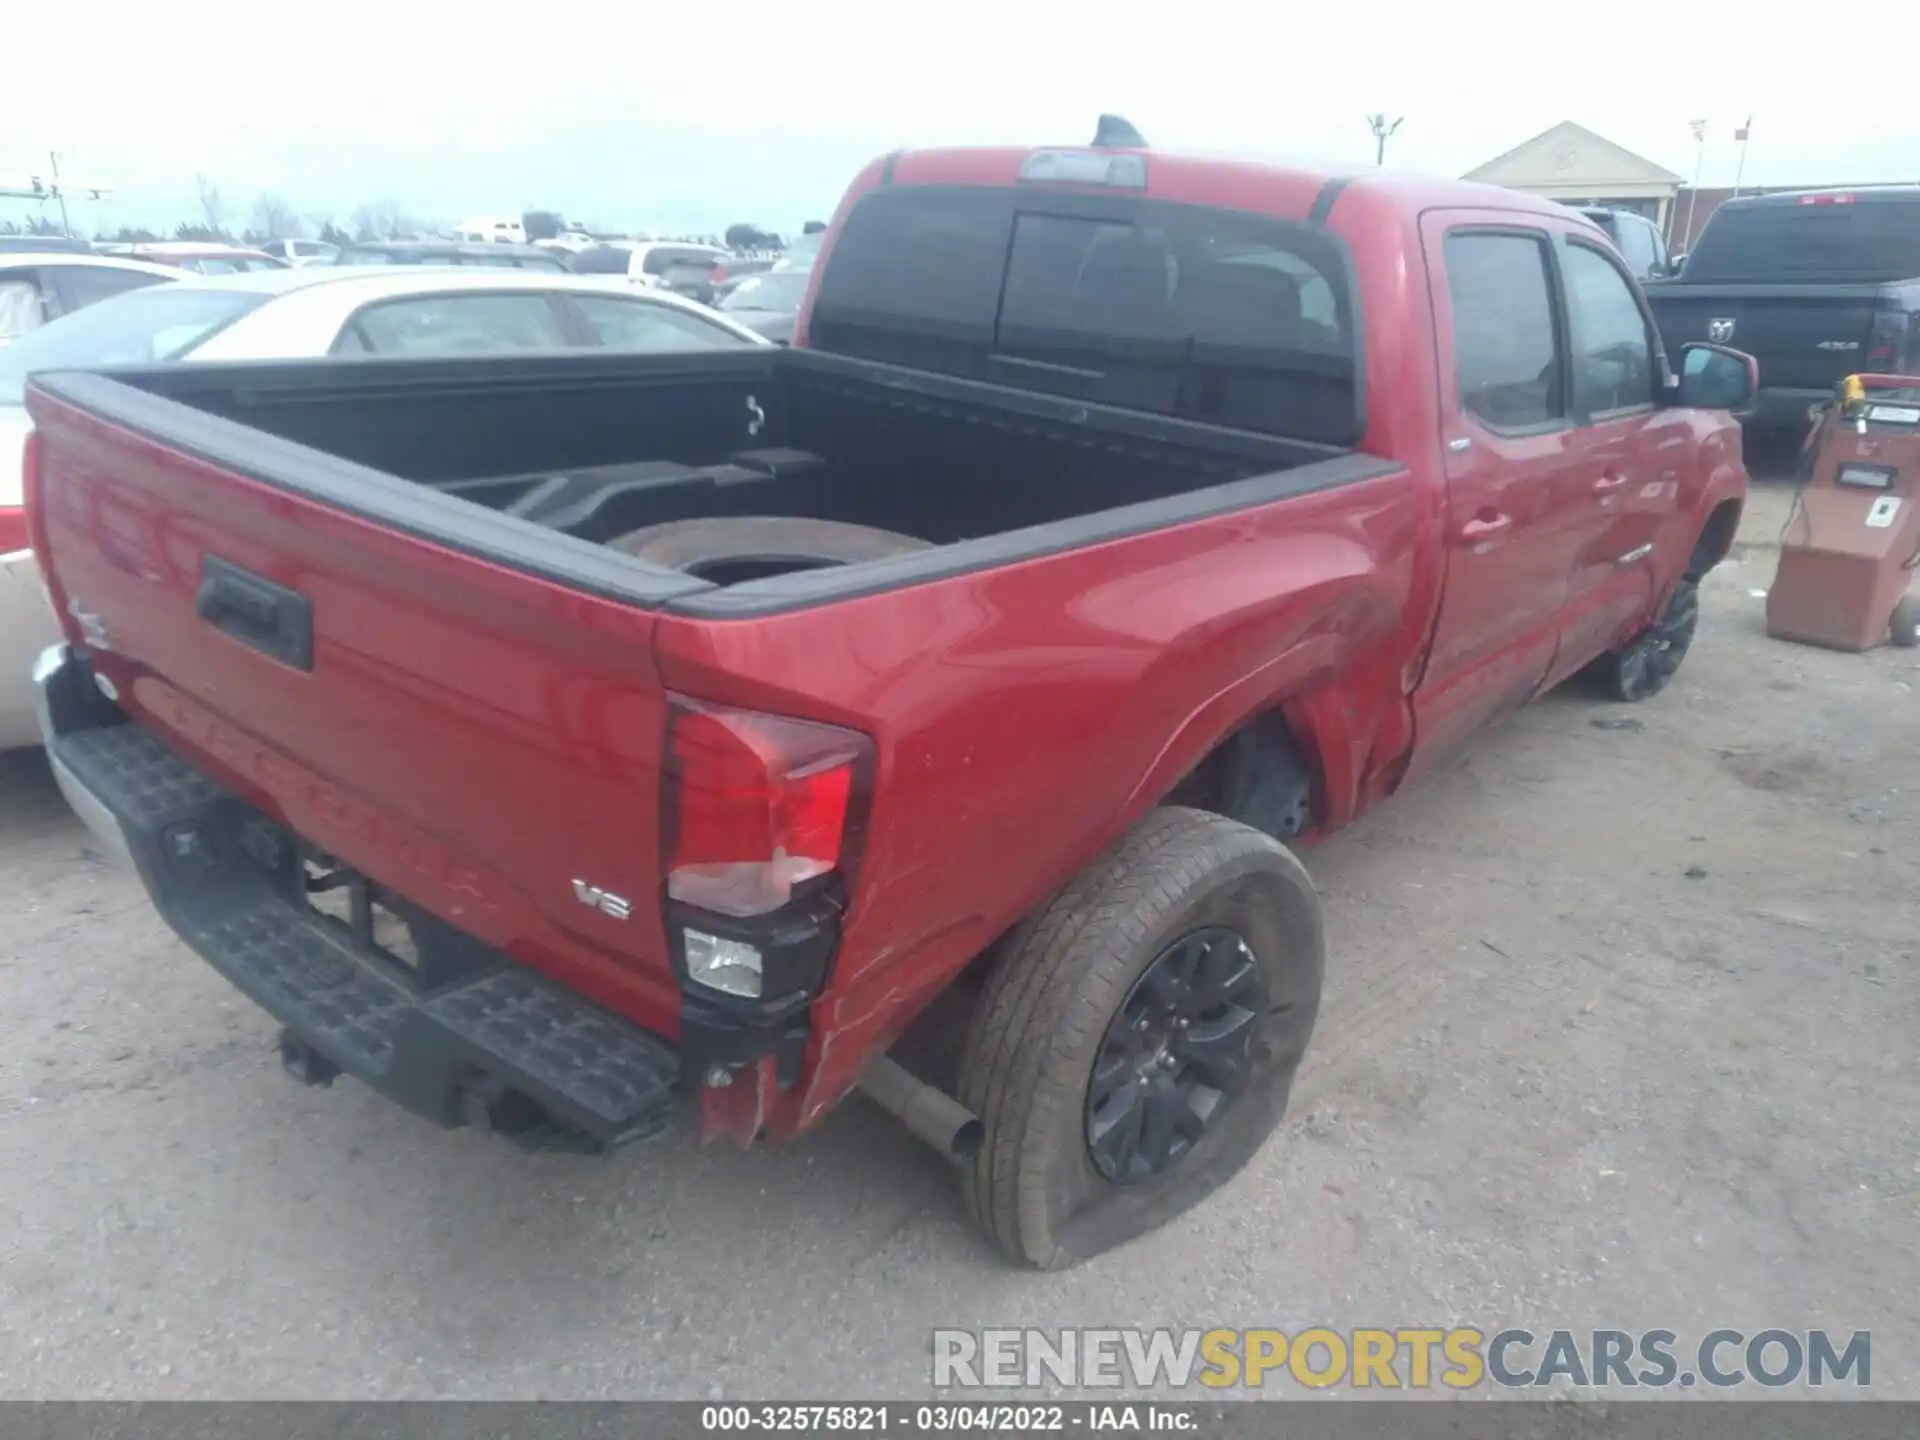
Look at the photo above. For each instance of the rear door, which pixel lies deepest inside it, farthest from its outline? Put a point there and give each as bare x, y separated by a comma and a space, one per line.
1518, 478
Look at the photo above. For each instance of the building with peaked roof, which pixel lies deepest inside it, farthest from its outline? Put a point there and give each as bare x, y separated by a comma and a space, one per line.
1571, 164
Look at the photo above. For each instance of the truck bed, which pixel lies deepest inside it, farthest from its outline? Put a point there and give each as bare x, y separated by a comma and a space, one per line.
517, 460
300, 580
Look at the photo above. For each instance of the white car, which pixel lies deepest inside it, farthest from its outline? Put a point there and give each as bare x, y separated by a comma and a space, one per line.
653, 263
302, 252
37, 288
305, 313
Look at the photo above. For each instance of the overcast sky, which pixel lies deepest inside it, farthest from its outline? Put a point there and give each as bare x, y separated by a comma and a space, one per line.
626, 113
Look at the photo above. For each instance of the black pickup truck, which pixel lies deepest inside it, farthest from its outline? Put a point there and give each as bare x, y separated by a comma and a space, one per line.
1815, 285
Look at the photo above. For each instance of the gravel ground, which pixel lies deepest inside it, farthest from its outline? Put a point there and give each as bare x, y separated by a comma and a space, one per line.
1620, 1031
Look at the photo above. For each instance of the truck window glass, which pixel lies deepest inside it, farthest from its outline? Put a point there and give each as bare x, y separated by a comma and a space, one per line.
1207, 314
1868, 240
1635, 243
1506, 344
1613, 356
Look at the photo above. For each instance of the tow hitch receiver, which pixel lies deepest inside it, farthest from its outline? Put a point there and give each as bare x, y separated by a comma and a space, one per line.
304, 1063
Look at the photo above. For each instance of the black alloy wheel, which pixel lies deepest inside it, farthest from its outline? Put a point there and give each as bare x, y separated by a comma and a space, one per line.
1642, 668
1175, 1055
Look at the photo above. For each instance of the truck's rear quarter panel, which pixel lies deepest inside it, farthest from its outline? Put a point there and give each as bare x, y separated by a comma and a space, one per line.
474, 737
1026, 715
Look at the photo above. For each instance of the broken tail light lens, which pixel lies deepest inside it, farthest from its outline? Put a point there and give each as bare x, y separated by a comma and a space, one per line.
758, 805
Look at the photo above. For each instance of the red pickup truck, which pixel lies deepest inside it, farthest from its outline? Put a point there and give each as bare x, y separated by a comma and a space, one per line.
570, 744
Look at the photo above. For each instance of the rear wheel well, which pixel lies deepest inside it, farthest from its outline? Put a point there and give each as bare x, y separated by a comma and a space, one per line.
1260, 775
1716, 539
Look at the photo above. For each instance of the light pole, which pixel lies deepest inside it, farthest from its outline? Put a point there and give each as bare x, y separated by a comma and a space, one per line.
1382, 128
1685, 241
53, 158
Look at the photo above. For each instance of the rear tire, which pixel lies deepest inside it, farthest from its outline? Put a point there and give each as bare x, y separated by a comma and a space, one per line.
1227, 922
1904, 629
1642, 667
768, 541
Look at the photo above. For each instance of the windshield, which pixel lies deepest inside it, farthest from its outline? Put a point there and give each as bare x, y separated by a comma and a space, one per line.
780, 292
139, 327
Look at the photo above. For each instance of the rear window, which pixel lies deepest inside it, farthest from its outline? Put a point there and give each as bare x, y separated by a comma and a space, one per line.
1206, 314
1866, 240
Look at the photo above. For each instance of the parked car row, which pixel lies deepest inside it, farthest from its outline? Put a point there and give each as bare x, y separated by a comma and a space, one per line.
708, 274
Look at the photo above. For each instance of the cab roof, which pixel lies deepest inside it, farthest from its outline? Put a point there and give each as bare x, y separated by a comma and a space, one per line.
1270, 187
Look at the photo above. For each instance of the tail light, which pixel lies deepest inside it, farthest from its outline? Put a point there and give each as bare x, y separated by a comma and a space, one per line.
15, 531
759, 807
1887, 339
719, 273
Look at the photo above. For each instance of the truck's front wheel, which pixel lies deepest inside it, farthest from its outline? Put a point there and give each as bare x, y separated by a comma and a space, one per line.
1138, 1038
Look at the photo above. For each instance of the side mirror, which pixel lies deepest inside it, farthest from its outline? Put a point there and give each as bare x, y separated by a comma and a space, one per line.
1713, 377
1676, 263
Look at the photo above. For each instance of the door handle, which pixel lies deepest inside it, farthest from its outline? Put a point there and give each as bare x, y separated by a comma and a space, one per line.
270, 618
1485, 526
1609, 482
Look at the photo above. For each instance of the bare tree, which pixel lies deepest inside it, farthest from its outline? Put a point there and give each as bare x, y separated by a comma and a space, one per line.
212, 207
382, 220
274, 218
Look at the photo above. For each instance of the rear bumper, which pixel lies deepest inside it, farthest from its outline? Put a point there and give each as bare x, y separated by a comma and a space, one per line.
472, 1038
27, 627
